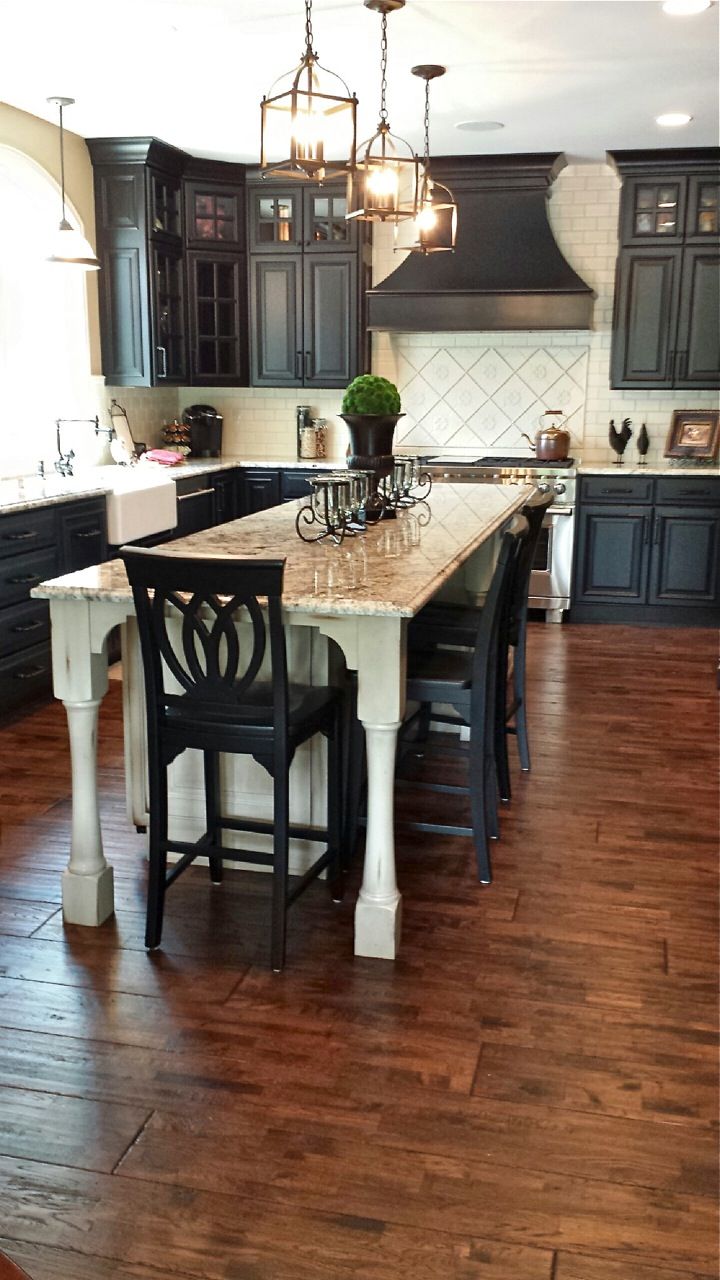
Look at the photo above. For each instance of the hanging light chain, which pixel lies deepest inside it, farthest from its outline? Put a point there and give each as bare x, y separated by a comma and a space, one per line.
426, 123
383, 71
308, 29
62, 164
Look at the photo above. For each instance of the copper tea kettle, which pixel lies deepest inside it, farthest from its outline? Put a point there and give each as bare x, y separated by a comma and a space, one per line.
552, 441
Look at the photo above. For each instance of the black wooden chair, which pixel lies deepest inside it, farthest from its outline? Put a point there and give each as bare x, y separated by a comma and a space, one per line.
442, 623
467, 680
233, 696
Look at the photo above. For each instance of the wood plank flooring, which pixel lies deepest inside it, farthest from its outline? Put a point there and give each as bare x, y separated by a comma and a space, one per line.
529, 1093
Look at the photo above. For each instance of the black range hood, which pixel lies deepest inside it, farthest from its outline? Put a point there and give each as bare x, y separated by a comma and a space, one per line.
507, 271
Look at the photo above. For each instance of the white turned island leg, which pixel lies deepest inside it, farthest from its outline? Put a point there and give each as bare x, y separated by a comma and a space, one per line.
381, 702
80, 680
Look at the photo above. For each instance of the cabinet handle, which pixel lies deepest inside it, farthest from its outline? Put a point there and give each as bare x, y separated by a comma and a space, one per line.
646, 530
162, 373
670, 363
693, 493
25, 536
298, 364
656, 537
610, 492
26, 626
30, 579
183, 497
682, 366
307, 364
30, 673
87, 533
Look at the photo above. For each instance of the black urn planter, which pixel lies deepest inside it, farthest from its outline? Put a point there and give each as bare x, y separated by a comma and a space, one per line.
371, 442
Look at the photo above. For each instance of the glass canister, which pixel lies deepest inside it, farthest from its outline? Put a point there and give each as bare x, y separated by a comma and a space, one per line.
303, 422
320, 429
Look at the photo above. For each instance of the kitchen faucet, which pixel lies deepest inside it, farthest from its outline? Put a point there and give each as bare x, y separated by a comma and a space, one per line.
64, 462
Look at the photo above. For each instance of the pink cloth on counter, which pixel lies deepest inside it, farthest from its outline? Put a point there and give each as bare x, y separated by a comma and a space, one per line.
167, 457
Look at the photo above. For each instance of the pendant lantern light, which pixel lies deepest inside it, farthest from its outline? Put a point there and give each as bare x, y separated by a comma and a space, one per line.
308, 115
70, 245
435, 224
383, 185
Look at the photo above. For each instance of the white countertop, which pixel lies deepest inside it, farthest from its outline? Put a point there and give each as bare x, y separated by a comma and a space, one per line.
391, 569
668, 467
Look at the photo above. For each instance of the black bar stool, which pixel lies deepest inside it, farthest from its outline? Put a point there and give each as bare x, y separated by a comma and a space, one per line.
234, 696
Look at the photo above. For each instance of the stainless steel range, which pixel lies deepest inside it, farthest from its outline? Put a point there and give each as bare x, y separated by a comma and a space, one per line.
550, 579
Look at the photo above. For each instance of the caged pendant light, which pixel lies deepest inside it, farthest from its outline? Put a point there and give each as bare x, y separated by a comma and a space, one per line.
434, 228
70, 245
383, 185
308, 115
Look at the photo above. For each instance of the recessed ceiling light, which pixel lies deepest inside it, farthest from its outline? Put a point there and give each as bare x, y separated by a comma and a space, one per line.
683, 8
673, 119
479, 126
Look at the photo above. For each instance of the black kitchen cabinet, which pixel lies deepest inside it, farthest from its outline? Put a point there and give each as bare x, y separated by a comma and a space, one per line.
261, 490
216, 272
648, 550
666, 327
225, 491
308, 273
138, 211
82, 535
195, 505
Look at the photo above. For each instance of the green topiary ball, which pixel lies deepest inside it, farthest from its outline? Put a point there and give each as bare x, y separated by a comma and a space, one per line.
371, 394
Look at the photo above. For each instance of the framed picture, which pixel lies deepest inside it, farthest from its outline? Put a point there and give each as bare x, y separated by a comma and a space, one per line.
693, 434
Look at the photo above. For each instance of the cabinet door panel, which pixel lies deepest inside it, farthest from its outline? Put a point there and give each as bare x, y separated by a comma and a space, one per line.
330, 297
646, 307
261, 490
275, 219
685, 566
276, 322
168, 302
698, 341
216, 293
612, 555
123, 328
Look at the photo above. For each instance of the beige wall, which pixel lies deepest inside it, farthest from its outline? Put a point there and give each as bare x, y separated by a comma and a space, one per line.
41, 142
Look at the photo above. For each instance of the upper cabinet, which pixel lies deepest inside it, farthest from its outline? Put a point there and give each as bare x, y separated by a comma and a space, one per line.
666, 330
173, 284
308, 274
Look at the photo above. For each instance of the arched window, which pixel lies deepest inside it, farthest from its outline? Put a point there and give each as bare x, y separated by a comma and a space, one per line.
44, 347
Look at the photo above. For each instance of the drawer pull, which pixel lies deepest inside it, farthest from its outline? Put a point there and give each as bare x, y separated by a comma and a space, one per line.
26, 535
609, 492
30, 580
183, 497
90, 533
21, 628
30, 673
693, 493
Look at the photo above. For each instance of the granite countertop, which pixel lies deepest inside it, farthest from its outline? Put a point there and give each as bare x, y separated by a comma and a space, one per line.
392, 569
26, 492
668, 467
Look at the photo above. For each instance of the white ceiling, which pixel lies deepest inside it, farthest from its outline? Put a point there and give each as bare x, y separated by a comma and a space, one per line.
579, 76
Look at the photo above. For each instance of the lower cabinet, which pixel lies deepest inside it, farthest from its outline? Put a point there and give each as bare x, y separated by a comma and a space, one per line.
655, 561
195, 506
35, 545
261, 490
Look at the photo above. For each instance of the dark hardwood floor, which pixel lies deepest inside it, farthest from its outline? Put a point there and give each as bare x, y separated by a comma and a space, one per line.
529, 1093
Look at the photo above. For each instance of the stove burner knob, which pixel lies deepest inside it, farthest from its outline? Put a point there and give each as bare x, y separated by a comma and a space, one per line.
559, 487
543, 486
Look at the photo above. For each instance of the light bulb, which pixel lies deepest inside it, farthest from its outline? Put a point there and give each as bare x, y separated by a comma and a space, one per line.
426, 219
307, 129
383, 181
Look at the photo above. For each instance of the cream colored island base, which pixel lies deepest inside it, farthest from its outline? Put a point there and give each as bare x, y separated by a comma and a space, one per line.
360, 596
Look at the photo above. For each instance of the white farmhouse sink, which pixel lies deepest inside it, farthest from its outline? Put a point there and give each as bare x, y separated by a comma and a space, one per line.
140, 501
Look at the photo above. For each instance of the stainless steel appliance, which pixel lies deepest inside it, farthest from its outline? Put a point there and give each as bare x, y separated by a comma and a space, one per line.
205, 425
550, 580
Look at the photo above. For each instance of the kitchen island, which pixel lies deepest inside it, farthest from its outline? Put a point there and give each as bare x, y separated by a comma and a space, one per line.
359, 594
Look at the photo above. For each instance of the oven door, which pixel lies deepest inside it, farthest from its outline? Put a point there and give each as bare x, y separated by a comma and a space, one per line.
552, 565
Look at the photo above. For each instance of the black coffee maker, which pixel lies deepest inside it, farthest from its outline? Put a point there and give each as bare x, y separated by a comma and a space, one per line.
205, 425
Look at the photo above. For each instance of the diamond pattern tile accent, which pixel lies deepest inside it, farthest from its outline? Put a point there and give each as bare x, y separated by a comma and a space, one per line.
442, 372
474, 397
490, 371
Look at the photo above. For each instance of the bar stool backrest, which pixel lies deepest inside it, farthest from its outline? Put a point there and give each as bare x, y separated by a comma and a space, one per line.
534, 511
496, 605
187, 608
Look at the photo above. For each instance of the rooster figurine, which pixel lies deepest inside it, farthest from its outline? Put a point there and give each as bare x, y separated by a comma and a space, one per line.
619, 439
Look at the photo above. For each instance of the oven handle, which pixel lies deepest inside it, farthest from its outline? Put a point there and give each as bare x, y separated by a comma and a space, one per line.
560, 511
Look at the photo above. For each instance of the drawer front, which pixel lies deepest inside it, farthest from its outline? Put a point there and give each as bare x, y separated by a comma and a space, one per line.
83, 536
622, 489
296, 484
25, 677
679, 490
23, 625
20, 574
26, 530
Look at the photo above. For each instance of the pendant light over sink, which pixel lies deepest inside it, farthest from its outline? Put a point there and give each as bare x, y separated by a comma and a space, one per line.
383, 186
434, 228
307, 118
70, 245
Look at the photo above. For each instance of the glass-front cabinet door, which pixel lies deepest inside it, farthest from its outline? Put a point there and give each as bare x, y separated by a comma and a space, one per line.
275, 219
214, 215
168, 300
165, 206
655, 210
324, 224
216, 287
703, 216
